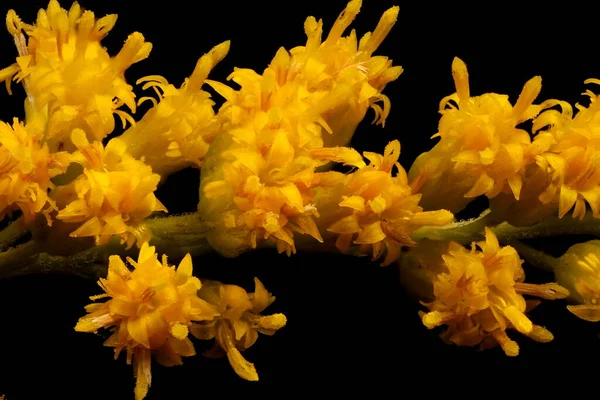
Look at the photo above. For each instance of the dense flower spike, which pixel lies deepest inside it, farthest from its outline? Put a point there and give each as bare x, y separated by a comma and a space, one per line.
240, 320
257, 182
267, 160
113, 195
479, 296
150, 311
178, 130
481, 151
26, 167
378, 211
67, 73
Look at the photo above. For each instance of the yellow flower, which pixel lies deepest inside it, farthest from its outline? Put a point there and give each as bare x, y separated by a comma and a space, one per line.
237, 327
178, 130
26, 168
69, 75
334, 80
113, 195
378, 209
480, 295
579, 271
571, 155
481, 151
150, 311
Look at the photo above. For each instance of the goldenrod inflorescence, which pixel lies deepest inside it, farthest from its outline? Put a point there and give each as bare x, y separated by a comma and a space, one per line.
266, 158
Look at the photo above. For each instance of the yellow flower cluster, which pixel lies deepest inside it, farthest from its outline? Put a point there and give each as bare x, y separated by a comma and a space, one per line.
478, 293
68, 74
113, 195
266, 158
281, 126
481, 150
377, 209
26, 170
152, 309
74, 89
177, 131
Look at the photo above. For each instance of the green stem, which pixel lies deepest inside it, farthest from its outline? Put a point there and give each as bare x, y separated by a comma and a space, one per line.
178, 235
462, 232
12, 233
174, 235
552, 226
537, 258
15, 259
466, 232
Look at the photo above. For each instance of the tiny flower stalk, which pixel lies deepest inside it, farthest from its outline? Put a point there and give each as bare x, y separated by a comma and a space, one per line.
477, 294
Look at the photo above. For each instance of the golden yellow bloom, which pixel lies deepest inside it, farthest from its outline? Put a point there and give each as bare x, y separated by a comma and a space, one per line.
69, 75
178, 130
571, 155
481, 151
150, 311
332, 81
113, 195
480, 296
26, 168
378, 209
579, 271
239, 322
257, 180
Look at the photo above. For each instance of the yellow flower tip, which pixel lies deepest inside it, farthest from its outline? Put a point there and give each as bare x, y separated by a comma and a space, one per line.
461, 79
385, 25
134, 50
344, 20
206, 64
541, 334
511, 348
13, 23
432, 319
530, 92
179, 330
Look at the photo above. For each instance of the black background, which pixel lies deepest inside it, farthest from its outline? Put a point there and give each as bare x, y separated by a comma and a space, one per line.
350, 322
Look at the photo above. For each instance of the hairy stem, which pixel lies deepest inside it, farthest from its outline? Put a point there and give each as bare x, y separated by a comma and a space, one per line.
537, 258
466, 232
174, 235
13, 232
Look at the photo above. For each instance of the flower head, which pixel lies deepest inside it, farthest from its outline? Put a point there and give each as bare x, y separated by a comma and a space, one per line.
239, 322
479, 296
69, 75
570, 155
481, 151
113, 195
26, 169
150, 311
579, 271
177, 131
379, 210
